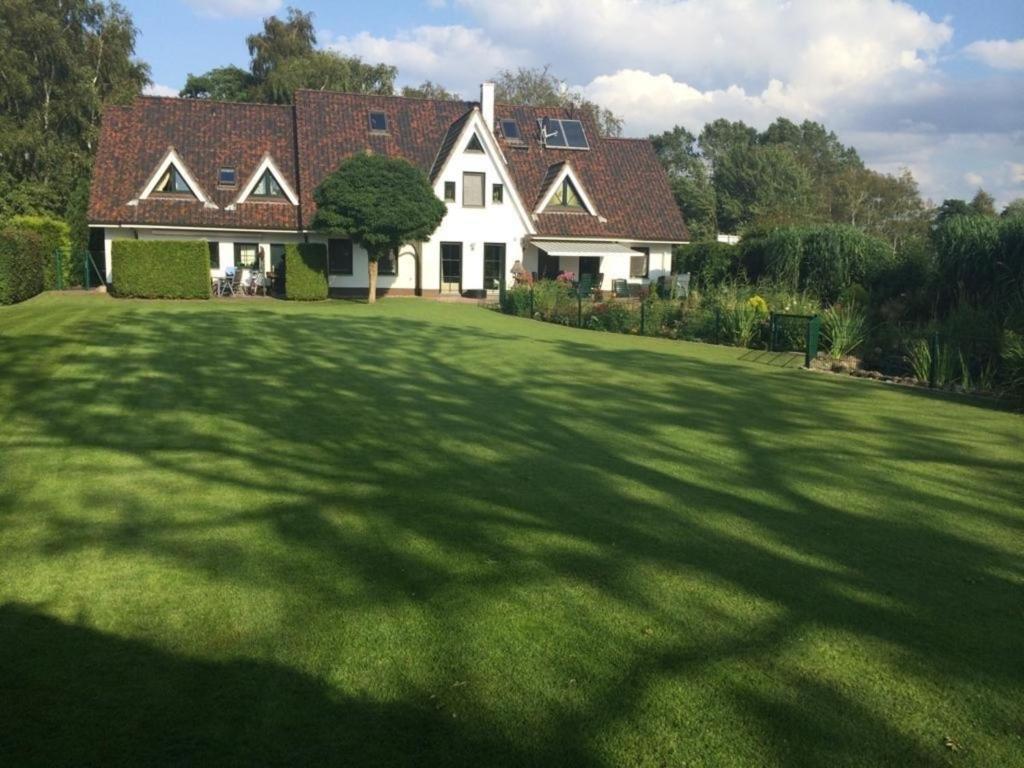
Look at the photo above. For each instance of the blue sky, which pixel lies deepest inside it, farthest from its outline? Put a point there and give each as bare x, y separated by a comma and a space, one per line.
934, 86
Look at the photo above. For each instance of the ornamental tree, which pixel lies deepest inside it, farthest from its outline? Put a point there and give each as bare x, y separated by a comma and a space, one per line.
381, 203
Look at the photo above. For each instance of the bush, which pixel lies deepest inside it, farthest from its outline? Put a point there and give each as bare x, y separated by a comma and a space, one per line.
710, 263
824, 260
555, 301
54, 234
161, 269
22, 259
305, 271
517, 300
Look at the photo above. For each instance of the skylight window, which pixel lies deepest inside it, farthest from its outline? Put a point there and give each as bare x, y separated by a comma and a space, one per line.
378, 122
226, 177
568, 134
173, 183
267, 186
510, 130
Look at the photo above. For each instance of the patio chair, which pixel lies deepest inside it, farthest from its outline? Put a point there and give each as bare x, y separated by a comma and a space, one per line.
259, 280
620, 288
682, 285
585, 286
234, 285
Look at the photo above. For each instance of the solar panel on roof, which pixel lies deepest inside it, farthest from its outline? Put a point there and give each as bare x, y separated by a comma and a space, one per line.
575, 137
551, 130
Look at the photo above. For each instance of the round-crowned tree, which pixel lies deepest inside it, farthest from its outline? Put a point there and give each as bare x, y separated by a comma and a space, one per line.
380, 202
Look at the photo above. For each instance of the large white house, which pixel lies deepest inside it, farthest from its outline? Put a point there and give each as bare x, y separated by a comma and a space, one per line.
537, 186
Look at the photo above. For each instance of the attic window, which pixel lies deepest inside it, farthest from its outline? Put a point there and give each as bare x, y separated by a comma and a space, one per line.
173, 183
378, 122
474, 144
226, 177
267, 186
565, 198
510, 130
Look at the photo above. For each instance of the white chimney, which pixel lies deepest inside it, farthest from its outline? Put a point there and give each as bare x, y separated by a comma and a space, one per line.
487, 104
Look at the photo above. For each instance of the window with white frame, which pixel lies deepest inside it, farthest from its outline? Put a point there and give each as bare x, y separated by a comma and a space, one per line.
472, 190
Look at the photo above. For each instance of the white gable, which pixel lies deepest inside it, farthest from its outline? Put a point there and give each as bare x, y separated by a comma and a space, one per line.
266, 165
172, 159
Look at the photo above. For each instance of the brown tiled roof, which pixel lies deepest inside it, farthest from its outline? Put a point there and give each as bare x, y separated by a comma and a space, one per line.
206, 135
622, 177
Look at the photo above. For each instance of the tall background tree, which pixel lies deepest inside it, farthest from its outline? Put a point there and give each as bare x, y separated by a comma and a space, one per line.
284, 59
61, 62
538, 87
382, 203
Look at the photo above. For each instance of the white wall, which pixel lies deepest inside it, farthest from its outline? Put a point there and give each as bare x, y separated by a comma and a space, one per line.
613, 267
226, 241
473, 227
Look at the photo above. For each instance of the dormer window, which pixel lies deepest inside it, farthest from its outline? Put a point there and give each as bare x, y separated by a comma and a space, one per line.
173, 183
378, 122
227, 177
267, 186
565, 197
474, 144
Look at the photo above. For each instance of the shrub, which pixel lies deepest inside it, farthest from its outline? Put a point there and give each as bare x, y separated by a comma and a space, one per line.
161, 269
741, 324
1013, 365
710, 263
53, 234
306, 271
844, 328
554, 301
22, 258
517, 300
919, 358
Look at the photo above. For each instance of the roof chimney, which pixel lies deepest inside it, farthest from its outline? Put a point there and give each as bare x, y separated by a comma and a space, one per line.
487, 104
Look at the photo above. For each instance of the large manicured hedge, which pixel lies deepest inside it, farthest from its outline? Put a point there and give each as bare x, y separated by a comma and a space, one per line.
54, 234
161, 269
710, 263
305, 271
22, 261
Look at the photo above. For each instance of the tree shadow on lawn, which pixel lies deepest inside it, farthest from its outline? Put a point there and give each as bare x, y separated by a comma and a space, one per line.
401, 463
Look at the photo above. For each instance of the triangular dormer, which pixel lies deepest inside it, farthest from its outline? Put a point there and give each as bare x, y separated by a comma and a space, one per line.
172, 178
267, 184
563, 193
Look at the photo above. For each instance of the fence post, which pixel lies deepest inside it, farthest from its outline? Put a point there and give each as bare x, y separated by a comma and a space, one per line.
531, 301
933, 363
718, 324
59, 276
643, 317
85, 272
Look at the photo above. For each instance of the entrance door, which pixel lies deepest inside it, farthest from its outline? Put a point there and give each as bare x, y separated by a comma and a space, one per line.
494, 266
590, 265
451, 267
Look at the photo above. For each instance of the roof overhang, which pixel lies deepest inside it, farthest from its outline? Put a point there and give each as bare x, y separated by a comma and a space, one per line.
583, 248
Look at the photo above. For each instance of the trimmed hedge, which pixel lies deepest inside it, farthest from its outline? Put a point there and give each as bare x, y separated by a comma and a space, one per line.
55, 234
305, 271
22, 262
161, 269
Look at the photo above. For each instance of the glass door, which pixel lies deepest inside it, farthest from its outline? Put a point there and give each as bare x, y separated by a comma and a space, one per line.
494, 266
451, 267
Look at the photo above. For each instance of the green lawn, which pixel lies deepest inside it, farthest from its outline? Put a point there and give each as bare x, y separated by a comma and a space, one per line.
423, 534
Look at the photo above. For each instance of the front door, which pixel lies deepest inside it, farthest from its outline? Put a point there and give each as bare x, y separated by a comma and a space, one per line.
494, 266
451, 267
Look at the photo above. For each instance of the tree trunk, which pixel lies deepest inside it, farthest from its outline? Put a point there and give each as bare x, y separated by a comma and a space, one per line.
371, 265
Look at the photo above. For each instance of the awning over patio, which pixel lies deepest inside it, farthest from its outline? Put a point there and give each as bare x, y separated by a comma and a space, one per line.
580, 248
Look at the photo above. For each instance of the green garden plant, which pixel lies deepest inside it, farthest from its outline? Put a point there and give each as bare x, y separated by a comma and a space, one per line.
844, 328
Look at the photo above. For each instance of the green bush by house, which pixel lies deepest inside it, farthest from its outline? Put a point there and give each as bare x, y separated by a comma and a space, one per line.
22, 260
54, 235
161, 269
305, 271
710, 263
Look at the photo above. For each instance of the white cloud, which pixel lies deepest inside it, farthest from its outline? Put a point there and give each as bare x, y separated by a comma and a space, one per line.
222, 8
973, 179
156, 89
1000, 54
438, 53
